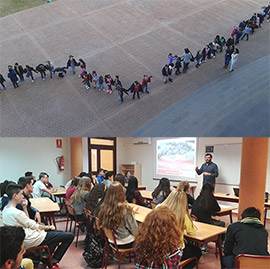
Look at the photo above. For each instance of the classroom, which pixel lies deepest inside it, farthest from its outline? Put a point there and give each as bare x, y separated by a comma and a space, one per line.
149, 159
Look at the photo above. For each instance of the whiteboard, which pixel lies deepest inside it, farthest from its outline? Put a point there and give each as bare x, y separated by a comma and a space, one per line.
228, 159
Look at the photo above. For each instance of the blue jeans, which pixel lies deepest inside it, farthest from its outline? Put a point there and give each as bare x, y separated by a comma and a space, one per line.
53, 238
227, 59
165, 79
185, 66
73, 68
146, 88
30, 75
247, 35
101, 86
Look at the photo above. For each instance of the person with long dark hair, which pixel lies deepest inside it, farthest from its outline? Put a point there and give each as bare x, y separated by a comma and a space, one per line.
162, 191
158, 240
115, 214
133, 194
95, 198
74, 183
205, 206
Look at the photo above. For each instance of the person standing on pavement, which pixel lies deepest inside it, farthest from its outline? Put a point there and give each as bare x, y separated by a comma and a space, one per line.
165, 73
247, 32
227, 56
13, 76
72, 63
19, 71
135, 88
29, 72
234, 59
208, 169
2, 80
145, 81
187, 56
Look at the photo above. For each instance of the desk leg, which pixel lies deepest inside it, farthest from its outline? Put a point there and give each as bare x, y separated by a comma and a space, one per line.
220, 248
231, 216
265, 215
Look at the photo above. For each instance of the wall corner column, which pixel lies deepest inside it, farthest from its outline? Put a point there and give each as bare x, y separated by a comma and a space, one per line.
76, 156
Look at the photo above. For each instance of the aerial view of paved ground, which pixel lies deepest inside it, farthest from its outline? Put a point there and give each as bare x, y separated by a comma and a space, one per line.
132, 38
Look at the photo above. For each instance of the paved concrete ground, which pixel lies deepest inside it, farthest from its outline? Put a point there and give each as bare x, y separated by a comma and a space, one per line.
234, 105
125, 37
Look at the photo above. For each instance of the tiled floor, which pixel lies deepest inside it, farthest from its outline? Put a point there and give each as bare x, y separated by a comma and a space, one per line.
74, 259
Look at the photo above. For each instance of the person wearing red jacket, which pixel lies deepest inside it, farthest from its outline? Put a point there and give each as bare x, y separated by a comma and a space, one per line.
86, 79
135, 87
145, 81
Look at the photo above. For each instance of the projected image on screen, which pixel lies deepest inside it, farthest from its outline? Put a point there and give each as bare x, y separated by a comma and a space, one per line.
176, 157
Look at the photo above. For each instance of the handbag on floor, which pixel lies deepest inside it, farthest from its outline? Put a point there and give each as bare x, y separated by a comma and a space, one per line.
93, 246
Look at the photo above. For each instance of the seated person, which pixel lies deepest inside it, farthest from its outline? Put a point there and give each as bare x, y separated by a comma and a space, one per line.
247, 236
206, 206
158, 240
120, 178
115, 214
79, 197
31, 212
4, 197
30, 174
13, 249
35, 234
95, 198
184, 186
162, 191
177, 203
108, 179
40, 186
100, 175
133, 194
127, 176
70, 190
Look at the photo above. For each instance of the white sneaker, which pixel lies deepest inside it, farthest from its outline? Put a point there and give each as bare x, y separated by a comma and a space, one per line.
43, 78
32, 80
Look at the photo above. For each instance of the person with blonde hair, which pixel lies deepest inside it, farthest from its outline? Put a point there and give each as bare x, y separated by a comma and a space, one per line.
177, 203
158, 240
79, 197
184, 186
116, 214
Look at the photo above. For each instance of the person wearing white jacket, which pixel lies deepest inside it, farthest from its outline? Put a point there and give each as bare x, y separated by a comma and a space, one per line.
234, 59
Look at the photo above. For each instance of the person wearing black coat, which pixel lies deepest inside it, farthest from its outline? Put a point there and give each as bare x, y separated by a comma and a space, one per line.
135, 87
42, 70
29, 72
19, 71
72, 63
165, 73
247, 236
13, 76
2, 80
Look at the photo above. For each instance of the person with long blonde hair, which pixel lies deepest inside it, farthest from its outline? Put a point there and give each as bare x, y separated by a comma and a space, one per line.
184, 186
79, 197
177, 203
158, 240
115, 214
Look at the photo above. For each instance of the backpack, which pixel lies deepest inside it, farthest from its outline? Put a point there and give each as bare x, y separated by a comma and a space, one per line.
100, 80
93, 246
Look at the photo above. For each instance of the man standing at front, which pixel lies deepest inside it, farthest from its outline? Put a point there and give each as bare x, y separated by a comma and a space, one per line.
208, 169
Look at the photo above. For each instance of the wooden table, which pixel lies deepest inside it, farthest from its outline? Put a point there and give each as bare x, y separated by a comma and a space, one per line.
234, 199
226, 211
46, 207
207, 233
61, 192
140, 187
146, 194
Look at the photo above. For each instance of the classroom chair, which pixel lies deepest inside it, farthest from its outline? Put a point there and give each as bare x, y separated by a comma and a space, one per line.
68, 219
187, 261
39, 253
78, 224
251, 261
153, 204
88, 216
109, 234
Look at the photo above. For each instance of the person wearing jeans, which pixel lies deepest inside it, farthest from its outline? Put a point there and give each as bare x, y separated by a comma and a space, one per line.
165, 73
57, 238
186, 59
247, 32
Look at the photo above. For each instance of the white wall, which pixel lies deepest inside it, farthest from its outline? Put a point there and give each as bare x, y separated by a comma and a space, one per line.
145, 155
18, 155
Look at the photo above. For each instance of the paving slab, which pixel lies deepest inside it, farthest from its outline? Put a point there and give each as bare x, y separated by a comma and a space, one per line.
124, 37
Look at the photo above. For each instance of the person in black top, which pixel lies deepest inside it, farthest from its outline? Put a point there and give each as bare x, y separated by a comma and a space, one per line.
19, 71
247, 236
26, 183
205, 206
2, 80
208, 169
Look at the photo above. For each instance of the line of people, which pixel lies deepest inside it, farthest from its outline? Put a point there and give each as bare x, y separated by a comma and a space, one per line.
244, 29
